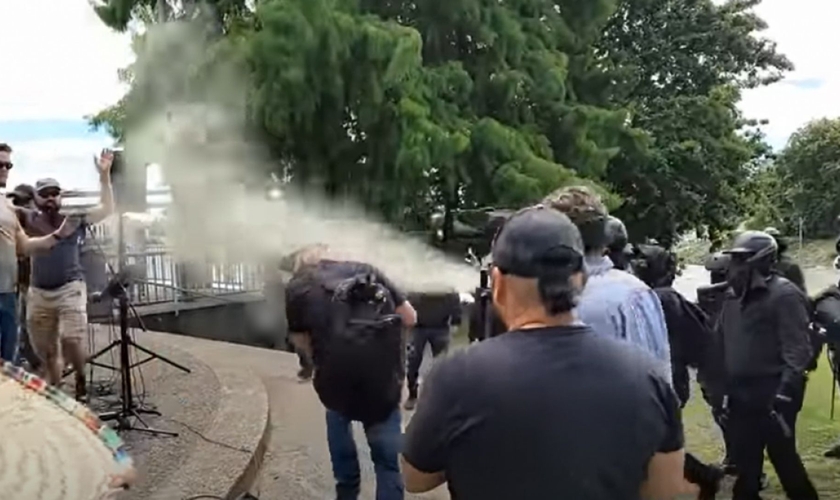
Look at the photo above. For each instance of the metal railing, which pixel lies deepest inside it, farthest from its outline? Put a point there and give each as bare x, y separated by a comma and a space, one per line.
160, 276
157, 277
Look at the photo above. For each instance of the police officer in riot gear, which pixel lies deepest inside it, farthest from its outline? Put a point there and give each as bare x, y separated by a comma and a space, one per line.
712, 378
690, 338
618, 249
785, 266
765, 322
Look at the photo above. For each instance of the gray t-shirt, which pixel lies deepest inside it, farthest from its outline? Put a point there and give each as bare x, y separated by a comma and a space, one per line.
8, 254
62, 263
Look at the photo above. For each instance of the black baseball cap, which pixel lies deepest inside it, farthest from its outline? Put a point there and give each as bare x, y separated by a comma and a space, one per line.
537, 241
22, 191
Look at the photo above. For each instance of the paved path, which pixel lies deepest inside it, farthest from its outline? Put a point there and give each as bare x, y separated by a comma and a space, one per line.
297, 465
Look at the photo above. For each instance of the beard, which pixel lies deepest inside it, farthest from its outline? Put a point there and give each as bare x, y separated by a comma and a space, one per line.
49, 207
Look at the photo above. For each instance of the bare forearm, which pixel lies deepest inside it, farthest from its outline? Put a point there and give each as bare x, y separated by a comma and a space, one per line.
31, 245
106, 202
106, 192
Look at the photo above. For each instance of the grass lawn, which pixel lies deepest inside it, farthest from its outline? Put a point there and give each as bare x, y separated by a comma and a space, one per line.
815, 432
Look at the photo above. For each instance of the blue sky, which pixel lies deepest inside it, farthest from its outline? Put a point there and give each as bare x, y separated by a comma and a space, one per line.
50, 83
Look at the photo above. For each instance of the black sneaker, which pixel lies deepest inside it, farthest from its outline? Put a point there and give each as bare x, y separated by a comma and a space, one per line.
81, 390
765, 483
833, 452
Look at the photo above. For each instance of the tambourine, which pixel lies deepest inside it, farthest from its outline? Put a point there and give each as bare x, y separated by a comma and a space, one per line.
52, 447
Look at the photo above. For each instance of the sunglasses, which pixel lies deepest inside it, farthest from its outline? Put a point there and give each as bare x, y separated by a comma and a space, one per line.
7, 165
51, 193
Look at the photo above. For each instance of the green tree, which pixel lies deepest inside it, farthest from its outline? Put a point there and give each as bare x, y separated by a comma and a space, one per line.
414, 108
678, 65
120, 14
809, 170
768, 200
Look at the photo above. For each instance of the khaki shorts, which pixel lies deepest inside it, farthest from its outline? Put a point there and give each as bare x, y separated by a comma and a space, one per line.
55, 315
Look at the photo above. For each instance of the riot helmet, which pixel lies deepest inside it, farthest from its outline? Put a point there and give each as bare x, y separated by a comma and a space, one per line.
780, 241
655, 266
717, 264
618, 249
752, 254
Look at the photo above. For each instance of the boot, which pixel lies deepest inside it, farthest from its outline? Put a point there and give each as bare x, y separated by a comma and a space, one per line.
833, 452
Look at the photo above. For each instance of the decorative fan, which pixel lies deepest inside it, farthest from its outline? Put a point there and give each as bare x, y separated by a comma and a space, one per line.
54, 448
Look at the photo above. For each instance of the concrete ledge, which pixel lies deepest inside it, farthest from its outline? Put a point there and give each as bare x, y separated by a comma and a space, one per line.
226, 462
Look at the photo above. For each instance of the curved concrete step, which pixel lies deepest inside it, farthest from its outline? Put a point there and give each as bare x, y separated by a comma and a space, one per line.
226, 458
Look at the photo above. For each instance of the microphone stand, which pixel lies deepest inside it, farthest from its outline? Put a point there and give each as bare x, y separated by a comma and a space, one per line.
129, 408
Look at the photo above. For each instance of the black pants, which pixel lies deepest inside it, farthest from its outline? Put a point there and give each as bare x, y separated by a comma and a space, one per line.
696, 472
716, 407
437, 338
753, 429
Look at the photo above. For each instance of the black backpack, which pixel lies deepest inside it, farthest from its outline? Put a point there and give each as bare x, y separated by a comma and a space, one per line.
360, 367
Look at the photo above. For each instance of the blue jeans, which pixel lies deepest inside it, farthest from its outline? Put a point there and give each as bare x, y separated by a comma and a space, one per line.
8, 327
385, 441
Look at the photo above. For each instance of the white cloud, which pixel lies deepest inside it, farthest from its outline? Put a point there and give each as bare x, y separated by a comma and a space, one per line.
59, 60
805, 31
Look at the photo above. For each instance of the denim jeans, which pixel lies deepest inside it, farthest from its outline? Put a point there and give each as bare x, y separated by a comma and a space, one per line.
8, 327
385, 441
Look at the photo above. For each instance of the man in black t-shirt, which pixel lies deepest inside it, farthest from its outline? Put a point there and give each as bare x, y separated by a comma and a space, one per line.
310, 315
550, 409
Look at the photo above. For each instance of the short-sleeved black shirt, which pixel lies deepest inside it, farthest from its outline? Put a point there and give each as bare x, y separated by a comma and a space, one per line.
307, 301
543, 414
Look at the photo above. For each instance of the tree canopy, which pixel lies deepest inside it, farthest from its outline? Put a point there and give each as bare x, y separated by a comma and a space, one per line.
414, 107
679, 66
802, 184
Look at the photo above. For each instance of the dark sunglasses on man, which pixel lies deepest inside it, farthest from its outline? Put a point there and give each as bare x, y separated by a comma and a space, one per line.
7, 165
49, 193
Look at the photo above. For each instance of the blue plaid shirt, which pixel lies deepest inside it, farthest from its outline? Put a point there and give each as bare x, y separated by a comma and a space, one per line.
617, 303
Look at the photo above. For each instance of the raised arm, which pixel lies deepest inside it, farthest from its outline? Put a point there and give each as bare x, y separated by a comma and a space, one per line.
106, 191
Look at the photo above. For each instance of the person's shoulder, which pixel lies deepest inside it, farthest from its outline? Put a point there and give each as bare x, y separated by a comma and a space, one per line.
782, 286
345, 267
668, 293
477, 358
629, 279
455, 368
617, 354
301, 282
